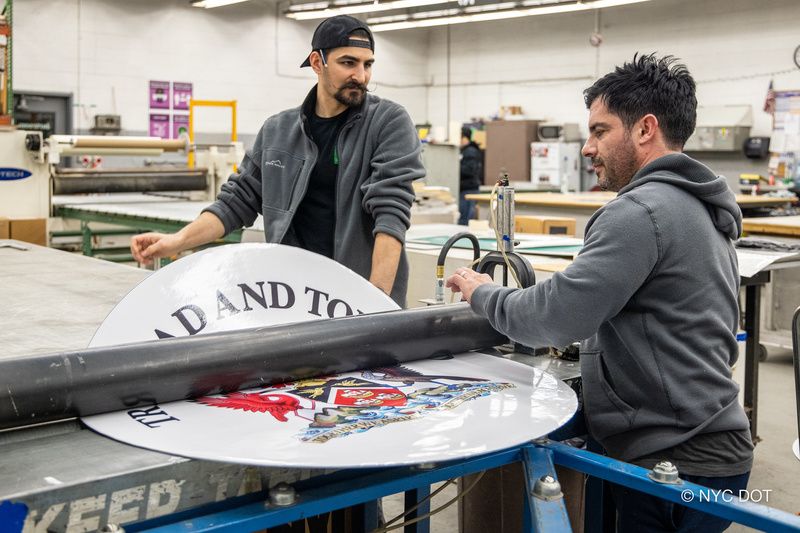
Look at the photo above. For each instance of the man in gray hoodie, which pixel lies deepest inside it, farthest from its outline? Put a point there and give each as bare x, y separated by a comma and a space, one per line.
652, 297
332, 176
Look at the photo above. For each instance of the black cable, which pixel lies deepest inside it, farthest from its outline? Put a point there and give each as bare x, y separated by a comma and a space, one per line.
476, 247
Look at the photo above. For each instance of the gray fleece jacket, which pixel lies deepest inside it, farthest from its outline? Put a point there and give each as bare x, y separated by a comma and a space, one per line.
653, 297
379, 152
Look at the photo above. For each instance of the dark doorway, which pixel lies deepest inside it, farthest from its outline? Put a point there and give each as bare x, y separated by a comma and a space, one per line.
46, 112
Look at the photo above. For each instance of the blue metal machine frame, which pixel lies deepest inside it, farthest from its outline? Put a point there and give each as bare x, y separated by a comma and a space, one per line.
538, 459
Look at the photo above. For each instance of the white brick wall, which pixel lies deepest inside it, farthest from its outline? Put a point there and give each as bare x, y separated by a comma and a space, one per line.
715, 38
105, 51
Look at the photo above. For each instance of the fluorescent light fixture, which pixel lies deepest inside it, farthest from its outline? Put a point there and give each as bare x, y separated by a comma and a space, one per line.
312, 6
208, 4
477, 15
300, 12
436, 14
490, 7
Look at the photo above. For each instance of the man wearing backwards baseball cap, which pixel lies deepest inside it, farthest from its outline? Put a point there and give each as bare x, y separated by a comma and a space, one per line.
332, 176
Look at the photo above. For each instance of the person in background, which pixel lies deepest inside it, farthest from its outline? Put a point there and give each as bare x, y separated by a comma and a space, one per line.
652, 297
332, 176
471, 175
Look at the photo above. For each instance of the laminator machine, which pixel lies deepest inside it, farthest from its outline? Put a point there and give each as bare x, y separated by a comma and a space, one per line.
33, 176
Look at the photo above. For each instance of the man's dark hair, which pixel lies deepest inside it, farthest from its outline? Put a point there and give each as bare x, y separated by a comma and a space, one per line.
649, 85
466, 132
360, 34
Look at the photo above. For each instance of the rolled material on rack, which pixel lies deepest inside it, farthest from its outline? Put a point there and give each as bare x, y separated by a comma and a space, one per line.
123, 182
144, 152
42, 388
149, 169
84, 142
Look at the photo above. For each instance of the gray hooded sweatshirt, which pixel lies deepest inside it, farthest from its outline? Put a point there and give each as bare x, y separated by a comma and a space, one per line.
653, 297
380, 157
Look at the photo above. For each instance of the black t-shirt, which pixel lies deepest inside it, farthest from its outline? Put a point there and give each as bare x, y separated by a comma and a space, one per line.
313, 223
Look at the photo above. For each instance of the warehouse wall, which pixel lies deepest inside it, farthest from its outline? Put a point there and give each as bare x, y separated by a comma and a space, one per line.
106, 51
543, 63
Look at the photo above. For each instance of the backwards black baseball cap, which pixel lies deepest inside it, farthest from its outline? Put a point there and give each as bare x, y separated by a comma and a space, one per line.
335, 33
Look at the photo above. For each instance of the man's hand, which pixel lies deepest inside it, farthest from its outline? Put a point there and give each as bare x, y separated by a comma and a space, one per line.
148, 246
205, 229
466, 281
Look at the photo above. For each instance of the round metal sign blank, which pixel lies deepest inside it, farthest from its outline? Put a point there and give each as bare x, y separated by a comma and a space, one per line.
422, 412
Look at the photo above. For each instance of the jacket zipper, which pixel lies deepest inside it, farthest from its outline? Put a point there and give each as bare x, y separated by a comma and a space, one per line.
315, 152
337, 159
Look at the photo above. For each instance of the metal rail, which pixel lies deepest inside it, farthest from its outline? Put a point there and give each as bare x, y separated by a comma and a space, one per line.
542, 513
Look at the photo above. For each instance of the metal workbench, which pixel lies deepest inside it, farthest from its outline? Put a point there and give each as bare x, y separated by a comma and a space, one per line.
137, 213
63, 477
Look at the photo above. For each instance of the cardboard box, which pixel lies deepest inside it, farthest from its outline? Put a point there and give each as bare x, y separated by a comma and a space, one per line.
32, 230
547, 225
479, 137
5, 228
508, 149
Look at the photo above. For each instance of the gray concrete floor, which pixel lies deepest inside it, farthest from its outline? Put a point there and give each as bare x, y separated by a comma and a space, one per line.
775, 467
445, 521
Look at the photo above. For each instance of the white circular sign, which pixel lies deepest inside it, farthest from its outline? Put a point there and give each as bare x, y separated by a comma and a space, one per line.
424, 411
238, 286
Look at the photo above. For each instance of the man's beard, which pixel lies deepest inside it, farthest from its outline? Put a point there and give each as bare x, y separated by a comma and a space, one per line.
351, 94
619, 166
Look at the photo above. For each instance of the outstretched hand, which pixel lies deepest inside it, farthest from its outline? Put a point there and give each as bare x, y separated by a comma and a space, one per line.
466, 281
148, 246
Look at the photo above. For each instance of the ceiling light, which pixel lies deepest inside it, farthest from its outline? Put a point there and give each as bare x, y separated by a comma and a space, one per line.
309, 6
434, 14
208, 4
491, 14
389, 18
490, 7
298, 12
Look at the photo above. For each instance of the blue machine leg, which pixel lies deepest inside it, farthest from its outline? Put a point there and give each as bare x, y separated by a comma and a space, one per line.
365, 516
12, 517
412, 498
600, 513
544, 510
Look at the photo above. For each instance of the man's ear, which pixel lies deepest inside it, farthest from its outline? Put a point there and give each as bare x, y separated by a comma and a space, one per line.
647, 128
316, 62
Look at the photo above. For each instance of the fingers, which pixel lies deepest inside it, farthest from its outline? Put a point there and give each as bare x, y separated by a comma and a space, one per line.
466, 281
137, 246
458, 281
452, 283
155, 250
145, 247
